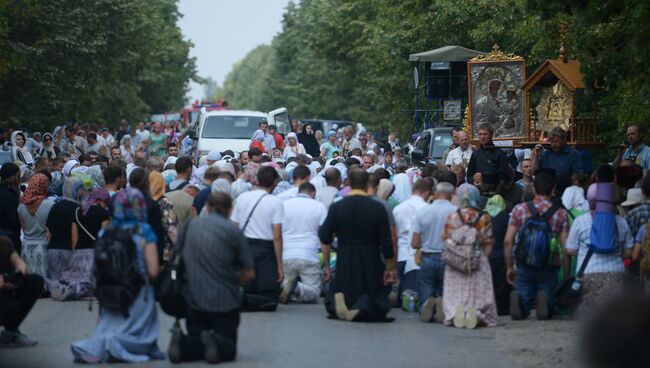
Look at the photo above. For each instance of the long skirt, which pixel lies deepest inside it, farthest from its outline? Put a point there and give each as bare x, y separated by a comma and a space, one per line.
35, 256
77, 279
470, 291
598, 288
128, 339
57, 261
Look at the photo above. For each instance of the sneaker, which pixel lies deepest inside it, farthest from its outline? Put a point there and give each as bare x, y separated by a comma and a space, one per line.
459, 317
471, 321
211, 348
426, 313
288, 289
439, 315
542, 306
174, 350
15, 339
515, 307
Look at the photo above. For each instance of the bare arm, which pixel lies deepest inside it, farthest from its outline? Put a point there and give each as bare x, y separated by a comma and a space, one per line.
636, 252
393, 238
277, 246
416, 241
247, 274
151, 260
507, 250
325, 249
18, 263
74, 236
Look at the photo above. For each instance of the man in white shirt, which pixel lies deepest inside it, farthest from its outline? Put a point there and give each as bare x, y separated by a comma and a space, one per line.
303, 215
349, 142
327, 194
461, 154
301, 174
427, 237
259, 215
142, 132
404, 215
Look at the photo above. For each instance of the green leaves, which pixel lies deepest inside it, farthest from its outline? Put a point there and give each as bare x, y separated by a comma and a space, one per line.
92, 60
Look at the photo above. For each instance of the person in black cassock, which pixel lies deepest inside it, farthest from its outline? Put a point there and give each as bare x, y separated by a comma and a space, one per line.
308, 140
365, 264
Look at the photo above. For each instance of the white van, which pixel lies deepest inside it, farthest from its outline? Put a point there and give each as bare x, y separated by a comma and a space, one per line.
232, 129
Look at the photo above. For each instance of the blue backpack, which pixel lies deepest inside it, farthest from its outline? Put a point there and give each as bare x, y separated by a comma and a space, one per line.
533, 246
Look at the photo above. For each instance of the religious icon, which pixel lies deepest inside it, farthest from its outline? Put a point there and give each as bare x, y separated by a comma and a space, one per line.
495, 82
555, 108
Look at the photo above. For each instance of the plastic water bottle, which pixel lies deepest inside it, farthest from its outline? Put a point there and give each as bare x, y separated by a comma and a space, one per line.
576, 285
411, 305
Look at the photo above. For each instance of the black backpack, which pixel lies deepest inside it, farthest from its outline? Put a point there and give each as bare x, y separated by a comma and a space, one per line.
116, 270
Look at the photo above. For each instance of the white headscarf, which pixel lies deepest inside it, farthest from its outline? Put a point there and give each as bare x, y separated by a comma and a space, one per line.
574, 197
67, 168
402, 187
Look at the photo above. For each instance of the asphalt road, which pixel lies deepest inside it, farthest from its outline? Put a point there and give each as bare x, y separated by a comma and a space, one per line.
302, 336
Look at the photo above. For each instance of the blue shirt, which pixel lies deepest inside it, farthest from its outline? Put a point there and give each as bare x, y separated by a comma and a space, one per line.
330, 149
430, 224
640, 156
565, 163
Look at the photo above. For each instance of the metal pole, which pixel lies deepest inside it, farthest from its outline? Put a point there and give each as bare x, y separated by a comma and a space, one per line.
417, 93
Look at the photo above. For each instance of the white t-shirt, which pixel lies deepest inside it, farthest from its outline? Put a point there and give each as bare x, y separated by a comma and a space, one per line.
144, 134
459, 157
405, 215
302, 218
267, 213
288, 194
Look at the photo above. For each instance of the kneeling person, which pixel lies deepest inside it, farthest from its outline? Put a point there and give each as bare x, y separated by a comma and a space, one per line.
303, 215
213, 287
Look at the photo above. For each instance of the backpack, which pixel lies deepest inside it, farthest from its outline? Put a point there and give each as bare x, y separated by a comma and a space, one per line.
116, 270
645, 252
533, 245
461, 251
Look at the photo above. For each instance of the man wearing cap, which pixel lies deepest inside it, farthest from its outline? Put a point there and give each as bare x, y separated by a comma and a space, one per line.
9, 198
637, 151
561, 159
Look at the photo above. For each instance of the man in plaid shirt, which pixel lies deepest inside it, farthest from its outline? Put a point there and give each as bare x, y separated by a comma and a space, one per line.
534, 282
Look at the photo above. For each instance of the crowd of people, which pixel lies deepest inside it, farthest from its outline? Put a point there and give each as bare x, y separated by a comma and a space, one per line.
310, 215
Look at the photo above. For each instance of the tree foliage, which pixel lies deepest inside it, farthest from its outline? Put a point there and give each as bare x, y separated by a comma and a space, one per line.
91, 60
348, 59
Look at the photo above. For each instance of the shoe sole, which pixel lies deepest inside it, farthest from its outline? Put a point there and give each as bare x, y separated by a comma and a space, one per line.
439, 315
340, 307
286, 291
515, 308
459, 317
211, 350
541, 312
471, 321
427, 310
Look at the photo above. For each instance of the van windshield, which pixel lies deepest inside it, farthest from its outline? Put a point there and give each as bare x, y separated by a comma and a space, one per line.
230, 127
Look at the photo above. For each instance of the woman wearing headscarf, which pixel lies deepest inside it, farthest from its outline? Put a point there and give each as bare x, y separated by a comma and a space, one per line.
33, 212
19, 148
258, 141
388, 162
468, 298
132, 337
293, 146
77, 279
47, 148
496, 207
308, 140
127, 149
60, 223
601, 228
402, 187
250, 173
169, 221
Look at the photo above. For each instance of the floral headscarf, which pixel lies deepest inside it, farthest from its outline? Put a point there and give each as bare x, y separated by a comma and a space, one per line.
251, 172
495, 205
36, 192
76, 186
129, 206
156, 185
468, 196
98, 194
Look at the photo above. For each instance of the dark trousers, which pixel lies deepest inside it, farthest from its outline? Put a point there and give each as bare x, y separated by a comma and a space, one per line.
410, 280
530, 280
262, 293
223, 325
16, 304
501, 287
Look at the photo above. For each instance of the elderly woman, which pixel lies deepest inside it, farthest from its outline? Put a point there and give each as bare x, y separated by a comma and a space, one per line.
258, 141
319, 137
126, 149
33, 212
604, 273
47, 148
468, 298
131, 337
328, 148
158, 141
293, 146
169, 221
20, 150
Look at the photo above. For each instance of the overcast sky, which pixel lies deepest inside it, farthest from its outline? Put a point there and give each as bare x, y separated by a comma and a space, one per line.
224, 31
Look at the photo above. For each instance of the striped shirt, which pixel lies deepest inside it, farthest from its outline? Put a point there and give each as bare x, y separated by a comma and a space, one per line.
214, 253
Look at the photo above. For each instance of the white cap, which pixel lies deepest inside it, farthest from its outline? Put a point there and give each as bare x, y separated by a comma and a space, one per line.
170, 160
213, 156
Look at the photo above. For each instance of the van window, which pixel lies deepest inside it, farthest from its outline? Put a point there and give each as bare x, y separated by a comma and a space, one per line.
230, 127
441, 142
